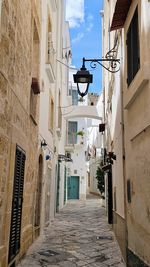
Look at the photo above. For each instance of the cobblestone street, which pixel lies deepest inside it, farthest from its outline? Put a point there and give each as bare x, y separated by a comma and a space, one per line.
79, 236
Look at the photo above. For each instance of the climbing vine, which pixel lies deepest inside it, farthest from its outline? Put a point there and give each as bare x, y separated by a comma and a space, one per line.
100, 180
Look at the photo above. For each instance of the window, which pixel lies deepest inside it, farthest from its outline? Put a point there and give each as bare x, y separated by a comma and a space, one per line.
49, 44
35, 52
35, 88
133, 49
70, 88
72, 132
16, 212
51, 114
74, 97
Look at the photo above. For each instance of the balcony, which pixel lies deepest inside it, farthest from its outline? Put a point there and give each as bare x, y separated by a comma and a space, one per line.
71, 140
74, 142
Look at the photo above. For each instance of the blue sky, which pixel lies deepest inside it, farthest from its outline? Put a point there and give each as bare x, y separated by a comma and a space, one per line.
85, 30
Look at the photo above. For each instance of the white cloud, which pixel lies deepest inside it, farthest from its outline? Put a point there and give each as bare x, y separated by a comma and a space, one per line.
90, 17
89, 22
79, 36
90, 26
75, 12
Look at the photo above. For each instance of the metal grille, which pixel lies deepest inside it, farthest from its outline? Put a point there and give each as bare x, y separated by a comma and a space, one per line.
15, 229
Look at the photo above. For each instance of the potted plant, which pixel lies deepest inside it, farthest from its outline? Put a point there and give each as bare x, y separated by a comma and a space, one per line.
81, 133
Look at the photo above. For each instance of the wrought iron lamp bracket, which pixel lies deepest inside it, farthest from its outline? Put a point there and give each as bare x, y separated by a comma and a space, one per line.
111, 57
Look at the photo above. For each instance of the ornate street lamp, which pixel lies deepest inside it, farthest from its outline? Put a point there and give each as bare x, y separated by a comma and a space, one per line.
83, 77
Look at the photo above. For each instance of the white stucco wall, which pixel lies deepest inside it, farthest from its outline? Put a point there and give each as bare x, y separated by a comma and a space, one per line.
95, 140
50, 87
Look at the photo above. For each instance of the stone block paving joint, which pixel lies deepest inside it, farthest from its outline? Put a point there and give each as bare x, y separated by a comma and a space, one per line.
78, 237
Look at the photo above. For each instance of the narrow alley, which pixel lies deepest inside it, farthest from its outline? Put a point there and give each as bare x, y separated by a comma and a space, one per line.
79, 236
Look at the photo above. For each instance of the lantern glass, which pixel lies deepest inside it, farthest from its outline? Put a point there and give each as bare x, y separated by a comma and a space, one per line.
83, 78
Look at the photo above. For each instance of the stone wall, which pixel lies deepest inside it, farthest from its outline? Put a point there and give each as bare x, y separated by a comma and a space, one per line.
16, 126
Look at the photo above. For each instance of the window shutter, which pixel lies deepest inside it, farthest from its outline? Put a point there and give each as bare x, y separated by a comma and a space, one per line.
135, 36
15, 229
74, 97
133, 52
129, 57
72, 132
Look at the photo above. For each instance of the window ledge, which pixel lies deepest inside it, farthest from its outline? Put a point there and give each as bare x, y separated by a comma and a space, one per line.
132, 92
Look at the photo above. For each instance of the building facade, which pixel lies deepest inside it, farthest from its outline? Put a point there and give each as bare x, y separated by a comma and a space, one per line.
54, 59
127, 26
113, 140
31, 84
76, 134
20, 36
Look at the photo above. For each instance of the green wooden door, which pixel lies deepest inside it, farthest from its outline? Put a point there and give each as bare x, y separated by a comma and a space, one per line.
73, 187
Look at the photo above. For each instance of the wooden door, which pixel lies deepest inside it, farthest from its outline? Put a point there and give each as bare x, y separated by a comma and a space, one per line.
73, 187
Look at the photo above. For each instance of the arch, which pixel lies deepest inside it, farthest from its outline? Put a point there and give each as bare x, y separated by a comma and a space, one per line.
92, 112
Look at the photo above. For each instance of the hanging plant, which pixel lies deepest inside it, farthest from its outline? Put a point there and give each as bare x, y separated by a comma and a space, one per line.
100, 181
81, 133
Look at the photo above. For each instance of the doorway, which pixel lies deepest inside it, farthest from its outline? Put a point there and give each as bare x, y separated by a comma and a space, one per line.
39, 193
16, 212
47, 195
73, 187
110, 198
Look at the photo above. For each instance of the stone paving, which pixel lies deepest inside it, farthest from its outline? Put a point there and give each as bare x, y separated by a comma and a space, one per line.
78, 237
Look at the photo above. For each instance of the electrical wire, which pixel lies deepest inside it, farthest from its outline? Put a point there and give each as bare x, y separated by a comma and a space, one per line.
66, 65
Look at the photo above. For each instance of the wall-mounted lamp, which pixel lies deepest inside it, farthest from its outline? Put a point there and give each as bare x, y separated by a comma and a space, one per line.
62, 157
102, 127
83, 77
112, 155
48, 157
43, 143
